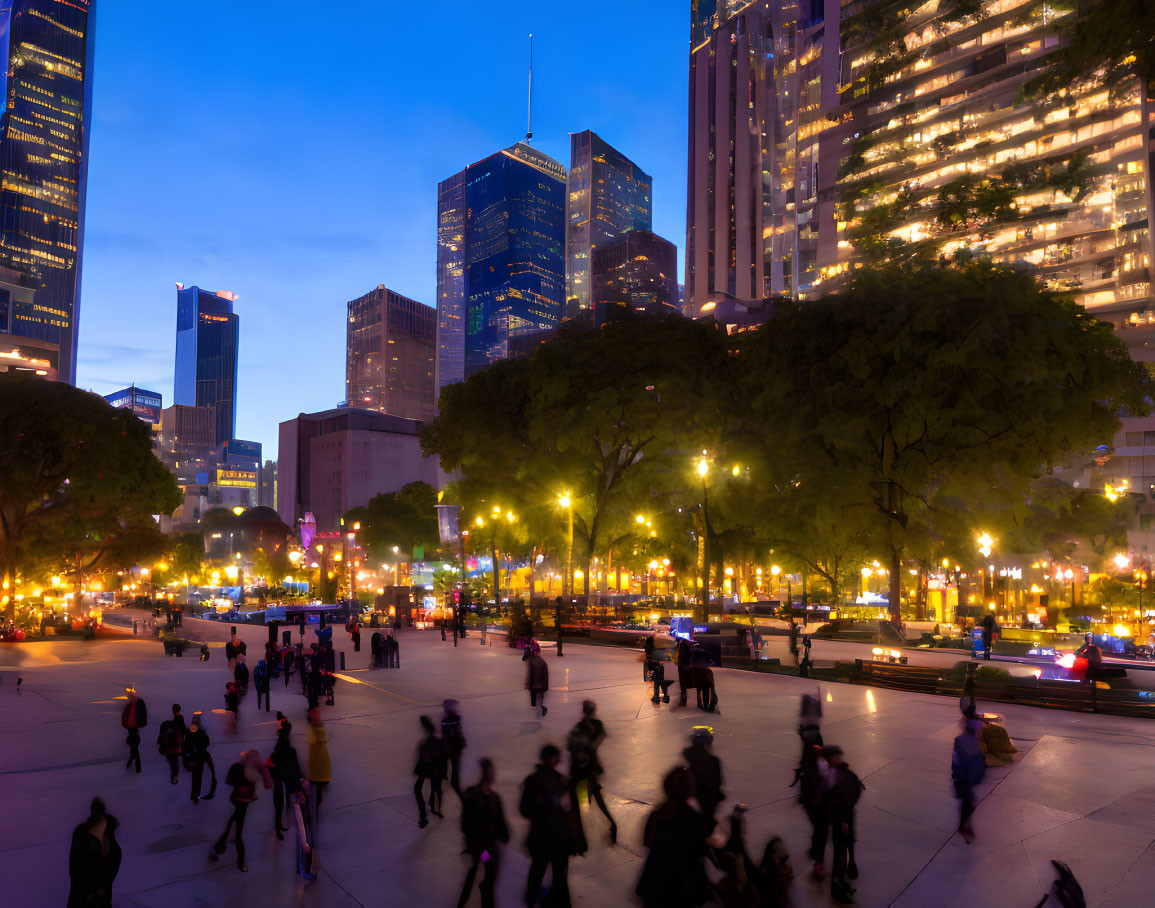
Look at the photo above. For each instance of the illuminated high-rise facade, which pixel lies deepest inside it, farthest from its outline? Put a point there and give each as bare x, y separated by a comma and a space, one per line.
389, 355
451, 280
763, 77
501, 261
634, 274
207, 334
607, 195
47, 49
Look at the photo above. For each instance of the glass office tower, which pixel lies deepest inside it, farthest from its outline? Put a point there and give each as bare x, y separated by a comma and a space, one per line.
450, 365
389, 355
607, 194
509, 212
635, 274
207, 332
44, 129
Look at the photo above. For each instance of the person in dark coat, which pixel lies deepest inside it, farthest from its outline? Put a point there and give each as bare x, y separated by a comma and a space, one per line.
968, 766
133, 718
661, 685
356, 635
233, 702
483, 824
648, 664
543, 803
843, 796
988, 634
285, 768
673, 875
453, 737
287, 659
431, 765
169, 739
536, 678
685, 669
196, 755
241, 675
93, 859
261, 683
814, 778
585, 765
707, 771
375, 650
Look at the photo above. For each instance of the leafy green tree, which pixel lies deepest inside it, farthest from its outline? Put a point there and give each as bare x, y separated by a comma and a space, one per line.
405, 518
76, 475
918, 388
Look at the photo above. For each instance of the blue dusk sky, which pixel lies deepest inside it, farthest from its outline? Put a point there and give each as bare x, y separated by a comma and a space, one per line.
290, 152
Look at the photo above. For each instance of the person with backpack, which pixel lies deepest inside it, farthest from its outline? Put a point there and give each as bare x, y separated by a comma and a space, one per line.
169, 739
485, 830
454, 740
968, 766
133, 718
583, 742
243, 777
261, 683
431, 759
842, 798
196, 754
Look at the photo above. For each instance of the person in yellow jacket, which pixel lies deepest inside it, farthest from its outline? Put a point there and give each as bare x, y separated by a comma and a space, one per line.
319, 771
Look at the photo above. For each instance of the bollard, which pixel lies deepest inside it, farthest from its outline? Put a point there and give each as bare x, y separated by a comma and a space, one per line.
342, 660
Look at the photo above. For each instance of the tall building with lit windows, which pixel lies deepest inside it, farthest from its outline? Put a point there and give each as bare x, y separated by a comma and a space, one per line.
389, 355
207, 335
501, 258
784, 129
46, 83
607, 195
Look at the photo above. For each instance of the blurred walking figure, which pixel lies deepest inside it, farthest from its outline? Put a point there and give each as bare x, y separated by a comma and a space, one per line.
968, 766
169, 739
843, 797
706, 769
673, 875
94, 859
658, 676
285, 768
543, 803
485, 830
243, 777
585, 766
774, 875
320, 770
261, 683
814, 778
453, 737
536, 677
685, 669
241, 675
431, 760
133, 718
196, 756
809, 727
232, 703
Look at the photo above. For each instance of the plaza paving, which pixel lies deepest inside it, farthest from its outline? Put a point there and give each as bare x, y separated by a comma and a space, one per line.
1082, 791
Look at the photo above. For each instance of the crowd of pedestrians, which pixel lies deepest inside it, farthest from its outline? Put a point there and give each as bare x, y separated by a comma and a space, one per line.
686, 833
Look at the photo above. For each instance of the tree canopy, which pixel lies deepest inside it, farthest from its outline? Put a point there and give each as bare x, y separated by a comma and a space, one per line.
78, 479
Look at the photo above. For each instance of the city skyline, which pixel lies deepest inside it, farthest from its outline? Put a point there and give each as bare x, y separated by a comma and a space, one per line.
295, 259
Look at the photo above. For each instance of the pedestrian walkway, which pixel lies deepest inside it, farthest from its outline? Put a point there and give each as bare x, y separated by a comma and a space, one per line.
1080, 792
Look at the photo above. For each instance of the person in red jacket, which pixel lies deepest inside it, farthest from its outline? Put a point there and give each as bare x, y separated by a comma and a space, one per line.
133, 719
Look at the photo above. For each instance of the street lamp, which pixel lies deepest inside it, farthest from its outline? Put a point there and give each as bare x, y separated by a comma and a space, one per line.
567, 584
704, 537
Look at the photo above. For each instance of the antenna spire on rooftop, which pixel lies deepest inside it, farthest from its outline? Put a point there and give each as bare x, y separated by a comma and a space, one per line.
529, 105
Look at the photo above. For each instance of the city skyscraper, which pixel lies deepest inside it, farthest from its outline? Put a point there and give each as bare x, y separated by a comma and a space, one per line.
635, 273
606, 195
500, 257
390, 351
46, 83
207, 334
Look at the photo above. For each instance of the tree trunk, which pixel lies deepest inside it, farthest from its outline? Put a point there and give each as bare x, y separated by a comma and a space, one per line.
895, 592
496, 576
